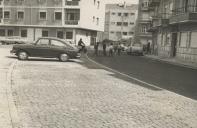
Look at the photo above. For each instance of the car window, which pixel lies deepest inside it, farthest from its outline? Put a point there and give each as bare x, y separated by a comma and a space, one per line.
43, 42
57, 43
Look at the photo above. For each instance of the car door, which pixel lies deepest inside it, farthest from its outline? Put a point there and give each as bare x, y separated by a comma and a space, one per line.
57, 47
41, 48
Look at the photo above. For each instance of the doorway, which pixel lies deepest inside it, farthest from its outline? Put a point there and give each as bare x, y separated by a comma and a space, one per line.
174, 45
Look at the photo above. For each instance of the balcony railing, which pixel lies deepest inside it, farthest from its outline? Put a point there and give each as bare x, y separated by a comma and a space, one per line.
71, 22
153, 3
72, 3
186, 9
184, 14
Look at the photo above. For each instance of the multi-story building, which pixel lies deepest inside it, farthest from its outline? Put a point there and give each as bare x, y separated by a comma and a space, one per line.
120, 21
66, 19
174, 28
143, 23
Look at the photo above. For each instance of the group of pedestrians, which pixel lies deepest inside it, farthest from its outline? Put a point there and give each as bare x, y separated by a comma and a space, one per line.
107, 50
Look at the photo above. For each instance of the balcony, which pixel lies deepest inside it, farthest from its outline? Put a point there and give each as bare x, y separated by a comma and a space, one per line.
71, 22
184, 14
161, 19
153, 3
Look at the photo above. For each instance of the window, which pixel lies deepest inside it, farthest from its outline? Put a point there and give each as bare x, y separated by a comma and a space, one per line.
125, 14
193, 42
112, 32
124, 33
57, 43
184, 38
119, 14
43, 42
69, 35
20, 1
131, 23
7, 14
45, 33
43, 15
60, 34
143, 29
113, 13
132, 14
2, 32
10, 32
20, 15
97, 21
119, 23
58, 15
125, 23
23, 33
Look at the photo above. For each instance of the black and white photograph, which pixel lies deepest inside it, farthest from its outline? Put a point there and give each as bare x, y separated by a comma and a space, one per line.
98, 63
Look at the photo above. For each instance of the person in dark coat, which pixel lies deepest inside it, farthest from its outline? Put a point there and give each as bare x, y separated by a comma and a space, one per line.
104, 48
81, 44
96, 48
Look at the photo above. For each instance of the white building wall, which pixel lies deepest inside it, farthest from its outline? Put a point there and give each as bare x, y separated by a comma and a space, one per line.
89, 10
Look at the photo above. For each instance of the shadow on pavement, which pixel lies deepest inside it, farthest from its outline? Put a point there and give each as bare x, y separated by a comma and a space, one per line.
44, 59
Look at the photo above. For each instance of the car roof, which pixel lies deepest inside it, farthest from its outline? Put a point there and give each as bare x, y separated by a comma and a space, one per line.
52, 38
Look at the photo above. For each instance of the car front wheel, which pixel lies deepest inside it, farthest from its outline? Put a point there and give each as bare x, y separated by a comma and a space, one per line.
63, 57
22, 55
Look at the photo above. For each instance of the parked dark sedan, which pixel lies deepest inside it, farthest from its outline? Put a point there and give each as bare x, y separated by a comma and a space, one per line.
46, 47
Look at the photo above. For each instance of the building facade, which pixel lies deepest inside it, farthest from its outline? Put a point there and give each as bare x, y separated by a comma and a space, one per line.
119, 21
143, 23
174, 28
66, 19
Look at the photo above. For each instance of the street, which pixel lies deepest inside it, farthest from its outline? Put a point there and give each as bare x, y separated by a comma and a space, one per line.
80, 94
174, 78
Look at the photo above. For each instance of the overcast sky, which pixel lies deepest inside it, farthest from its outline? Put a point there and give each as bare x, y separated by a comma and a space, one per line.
122, 1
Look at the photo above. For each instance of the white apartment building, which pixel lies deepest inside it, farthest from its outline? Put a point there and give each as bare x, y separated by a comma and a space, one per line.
120, 21
66, 19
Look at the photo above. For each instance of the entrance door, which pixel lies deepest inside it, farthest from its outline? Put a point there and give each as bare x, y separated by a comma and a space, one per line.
174, 44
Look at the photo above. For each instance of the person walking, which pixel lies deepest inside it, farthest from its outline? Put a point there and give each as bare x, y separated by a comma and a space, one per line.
96, 48
148, 48
81, 45
111, 49
119, 49
104, 48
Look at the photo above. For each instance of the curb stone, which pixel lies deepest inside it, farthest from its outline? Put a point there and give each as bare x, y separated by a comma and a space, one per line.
172, 63
12, 107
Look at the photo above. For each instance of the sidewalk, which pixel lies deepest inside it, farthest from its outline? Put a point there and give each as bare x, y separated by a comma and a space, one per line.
7, 107
173, 61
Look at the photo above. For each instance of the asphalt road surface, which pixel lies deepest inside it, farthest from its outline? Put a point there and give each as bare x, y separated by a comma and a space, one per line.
174, 78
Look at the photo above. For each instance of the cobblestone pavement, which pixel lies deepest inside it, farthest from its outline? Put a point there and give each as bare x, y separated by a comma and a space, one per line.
5, 118
51, 94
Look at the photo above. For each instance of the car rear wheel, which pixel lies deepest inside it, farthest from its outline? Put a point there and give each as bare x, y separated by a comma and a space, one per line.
22, 55
63, 57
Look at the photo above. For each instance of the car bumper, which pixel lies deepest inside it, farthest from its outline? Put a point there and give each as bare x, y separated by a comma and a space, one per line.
13, 51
